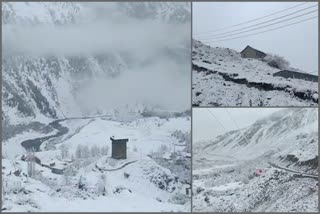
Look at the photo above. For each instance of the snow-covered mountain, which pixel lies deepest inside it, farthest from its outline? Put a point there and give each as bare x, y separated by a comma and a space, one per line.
168, 11
287, 132
38, 87
68, 12
45, 13
283, 145
73, 76
221, 77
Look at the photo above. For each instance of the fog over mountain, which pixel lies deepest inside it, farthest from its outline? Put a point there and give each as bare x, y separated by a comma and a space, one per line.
82, 58
96, 107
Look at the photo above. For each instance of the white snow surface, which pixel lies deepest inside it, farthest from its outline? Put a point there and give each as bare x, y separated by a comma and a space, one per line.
211, 89
149, 187
223, 169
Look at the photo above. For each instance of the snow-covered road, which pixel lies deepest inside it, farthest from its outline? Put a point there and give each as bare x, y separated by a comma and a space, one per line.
301, 174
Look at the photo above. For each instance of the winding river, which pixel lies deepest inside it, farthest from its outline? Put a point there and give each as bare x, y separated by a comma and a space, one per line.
35, 143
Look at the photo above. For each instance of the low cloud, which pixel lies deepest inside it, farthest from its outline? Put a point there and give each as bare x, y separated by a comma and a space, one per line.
163, 84
93, 38
159, 76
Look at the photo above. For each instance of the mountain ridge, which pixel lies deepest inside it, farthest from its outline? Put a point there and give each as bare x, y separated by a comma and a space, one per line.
287, 132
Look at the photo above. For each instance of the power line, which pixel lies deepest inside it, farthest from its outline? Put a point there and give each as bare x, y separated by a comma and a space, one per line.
265, 30
264, 22
262, 26
219, 122
243, 136
228, 132
249, 21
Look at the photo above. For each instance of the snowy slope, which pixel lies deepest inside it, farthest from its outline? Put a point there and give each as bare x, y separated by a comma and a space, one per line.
289, 131
167, 11
221, 77
35, 13
140, 180
47, 87
36, 88
40, 195
284, 145
40, 88
63, 13
50, 98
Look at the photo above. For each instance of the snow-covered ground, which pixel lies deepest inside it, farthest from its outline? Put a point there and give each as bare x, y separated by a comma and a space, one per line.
284, 146
40, 85
221, 77
51, 89
137, 183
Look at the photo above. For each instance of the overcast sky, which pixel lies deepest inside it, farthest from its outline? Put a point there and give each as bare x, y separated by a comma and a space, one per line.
297, 43
207, 127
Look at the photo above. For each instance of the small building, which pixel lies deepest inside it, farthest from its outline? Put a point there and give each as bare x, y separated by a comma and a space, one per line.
58, 171
250, 52
119, 148
296, 75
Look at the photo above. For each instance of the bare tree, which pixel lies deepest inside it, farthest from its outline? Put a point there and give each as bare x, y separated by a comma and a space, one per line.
86, 152
276, 61
82, 183
31, 163
101, 185
64, 151
67, 173
95, 151
162, 150
79, 151
105, 150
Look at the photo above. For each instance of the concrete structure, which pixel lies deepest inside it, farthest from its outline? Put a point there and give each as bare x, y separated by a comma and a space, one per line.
296, 75
119, 148
57, 171
250, 52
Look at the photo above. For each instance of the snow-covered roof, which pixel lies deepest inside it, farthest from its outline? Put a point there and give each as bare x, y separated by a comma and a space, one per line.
114, 139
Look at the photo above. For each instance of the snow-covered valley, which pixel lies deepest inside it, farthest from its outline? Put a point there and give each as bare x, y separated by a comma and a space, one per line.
270, 166
140, 180
221, 77
76, 75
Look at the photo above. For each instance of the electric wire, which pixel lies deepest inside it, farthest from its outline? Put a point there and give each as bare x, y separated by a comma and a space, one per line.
242, 135
304, 20
249, 21
214, 35
219, 122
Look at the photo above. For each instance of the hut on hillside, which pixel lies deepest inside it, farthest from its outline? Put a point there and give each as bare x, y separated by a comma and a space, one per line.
250, 52
119, 148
